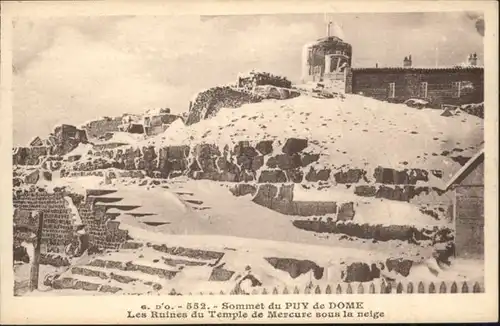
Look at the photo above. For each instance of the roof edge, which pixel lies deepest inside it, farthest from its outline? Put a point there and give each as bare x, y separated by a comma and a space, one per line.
466, 169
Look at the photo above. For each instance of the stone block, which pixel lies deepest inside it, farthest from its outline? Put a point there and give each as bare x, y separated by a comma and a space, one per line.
206, 151
349, 176
315, 176
265, 147
294, 145
242, 189
346, 212
365, 191
272, 176
307, 159
295, 175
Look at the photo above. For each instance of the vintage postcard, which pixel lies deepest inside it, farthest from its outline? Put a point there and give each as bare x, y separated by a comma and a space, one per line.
235, 162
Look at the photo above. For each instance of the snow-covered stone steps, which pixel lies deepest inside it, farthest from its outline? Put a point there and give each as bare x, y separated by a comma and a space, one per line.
124, 277
166, 273
104, 199
172, 260
193, 202
118, 205
81, 283
181, 193
99, 192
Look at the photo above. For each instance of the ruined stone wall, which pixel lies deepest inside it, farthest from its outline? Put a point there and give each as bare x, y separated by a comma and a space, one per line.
209, 102
65, 139
160, 123
264, 78
259, 162
268, 170
99, 128
29, 155
274, 92
280, 199
57, 223
104, 233
58, 229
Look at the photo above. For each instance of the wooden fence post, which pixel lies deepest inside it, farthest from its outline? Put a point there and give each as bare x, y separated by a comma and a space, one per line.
35, 265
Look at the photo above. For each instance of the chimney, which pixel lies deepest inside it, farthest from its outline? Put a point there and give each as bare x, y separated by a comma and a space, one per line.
407, 61
328, 29
472, 59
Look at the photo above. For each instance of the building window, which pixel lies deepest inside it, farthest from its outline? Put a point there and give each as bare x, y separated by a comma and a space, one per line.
392, 90
423, 89
456, 89
466, 87
338, 52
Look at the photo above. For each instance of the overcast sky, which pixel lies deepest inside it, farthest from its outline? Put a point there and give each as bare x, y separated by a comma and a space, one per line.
70, 70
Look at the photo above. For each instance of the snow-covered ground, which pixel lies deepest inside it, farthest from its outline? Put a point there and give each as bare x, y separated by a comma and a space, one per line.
355, 132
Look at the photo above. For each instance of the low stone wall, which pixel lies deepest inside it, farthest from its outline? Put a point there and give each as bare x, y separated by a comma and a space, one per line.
378, 232
281, 200
265, 161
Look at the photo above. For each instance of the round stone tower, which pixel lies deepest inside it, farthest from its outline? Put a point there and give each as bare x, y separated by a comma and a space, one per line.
325, 58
